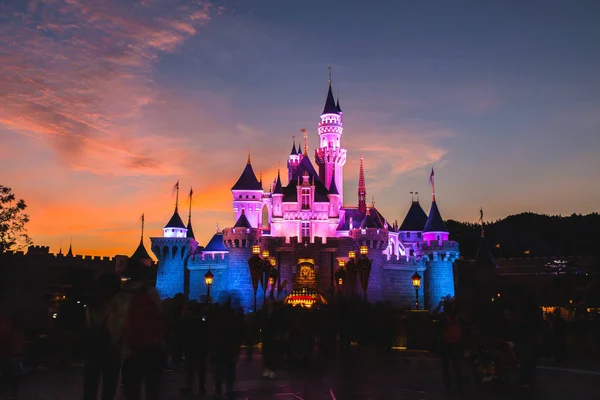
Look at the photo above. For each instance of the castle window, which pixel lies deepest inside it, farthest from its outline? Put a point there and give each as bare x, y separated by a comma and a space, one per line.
407, 234
306, 199
253, 196
438, 237
240, 196
419, 235
306, 230
246, 196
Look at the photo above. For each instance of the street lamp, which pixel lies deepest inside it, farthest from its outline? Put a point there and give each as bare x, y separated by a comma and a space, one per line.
351, 254
416, 280
364, 251
273, 275
265, 254
256, 249
208, 280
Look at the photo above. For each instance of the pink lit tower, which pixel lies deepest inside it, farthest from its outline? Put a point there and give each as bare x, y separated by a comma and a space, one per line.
330, 156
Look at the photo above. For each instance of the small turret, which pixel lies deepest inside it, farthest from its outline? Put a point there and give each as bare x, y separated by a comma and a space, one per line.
247, 195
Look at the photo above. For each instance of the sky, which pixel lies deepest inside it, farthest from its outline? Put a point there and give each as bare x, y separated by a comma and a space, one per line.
105, 104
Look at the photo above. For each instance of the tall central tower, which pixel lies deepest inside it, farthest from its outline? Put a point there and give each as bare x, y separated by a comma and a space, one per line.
330, 156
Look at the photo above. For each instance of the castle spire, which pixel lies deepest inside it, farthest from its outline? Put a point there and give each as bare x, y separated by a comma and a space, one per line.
190, 231
60, 248
293, 152
70, 253
362, 190
330, 106
142, 234
305, 153
249, 151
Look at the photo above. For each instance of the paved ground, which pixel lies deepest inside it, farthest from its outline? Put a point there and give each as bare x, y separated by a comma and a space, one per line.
406, 376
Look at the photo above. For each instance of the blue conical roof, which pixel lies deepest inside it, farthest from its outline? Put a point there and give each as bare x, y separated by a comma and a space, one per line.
278, 186
435, 223
175, 221
247, 180
415, 218
330, 106
242, 221
190, 231
216, 243
294, 152
484, 258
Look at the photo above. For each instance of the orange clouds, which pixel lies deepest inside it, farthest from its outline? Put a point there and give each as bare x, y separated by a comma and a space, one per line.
78, 73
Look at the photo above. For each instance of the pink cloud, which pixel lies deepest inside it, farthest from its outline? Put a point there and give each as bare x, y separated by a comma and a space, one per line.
79, 73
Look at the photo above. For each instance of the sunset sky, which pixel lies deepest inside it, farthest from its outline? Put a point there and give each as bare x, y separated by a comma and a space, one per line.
105, 104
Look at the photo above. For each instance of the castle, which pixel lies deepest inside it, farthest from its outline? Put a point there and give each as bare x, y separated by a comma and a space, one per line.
310, 234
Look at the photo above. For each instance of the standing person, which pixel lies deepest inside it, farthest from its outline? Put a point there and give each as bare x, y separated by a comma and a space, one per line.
227, 337
195, 333
269, 339
451, 346
144, 340
101, 358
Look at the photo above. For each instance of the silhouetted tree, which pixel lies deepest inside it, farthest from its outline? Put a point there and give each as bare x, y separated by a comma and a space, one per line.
13, 218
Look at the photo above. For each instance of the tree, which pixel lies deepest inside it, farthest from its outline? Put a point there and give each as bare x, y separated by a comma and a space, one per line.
13, 234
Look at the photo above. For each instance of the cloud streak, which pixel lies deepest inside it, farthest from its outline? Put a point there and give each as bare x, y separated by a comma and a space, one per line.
80, 73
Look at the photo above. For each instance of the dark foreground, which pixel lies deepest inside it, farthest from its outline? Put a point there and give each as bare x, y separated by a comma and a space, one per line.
360, 376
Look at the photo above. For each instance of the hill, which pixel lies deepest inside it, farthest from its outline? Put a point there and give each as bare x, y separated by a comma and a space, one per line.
541, 235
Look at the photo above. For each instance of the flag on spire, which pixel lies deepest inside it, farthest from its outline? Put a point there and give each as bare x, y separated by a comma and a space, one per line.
176, 193
432, 183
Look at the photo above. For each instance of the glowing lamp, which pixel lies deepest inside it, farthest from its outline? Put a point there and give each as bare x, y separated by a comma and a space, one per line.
352, 254
208, 278
256, 249
340, 281
342, 263
498, 294
265, 253
416, 280
364, 250
273, 262
271, 281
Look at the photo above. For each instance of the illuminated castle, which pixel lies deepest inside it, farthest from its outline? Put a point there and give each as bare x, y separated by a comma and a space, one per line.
309, 233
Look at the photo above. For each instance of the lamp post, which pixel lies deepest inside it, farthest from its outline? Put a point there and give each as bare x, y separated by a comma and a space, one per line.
273, 275
416, 280
340, 274
364, 269
208, 280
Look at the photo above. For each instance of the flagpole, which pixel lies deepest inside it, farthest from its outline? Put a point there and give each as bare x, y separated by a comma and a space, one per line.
177, 197
190, 212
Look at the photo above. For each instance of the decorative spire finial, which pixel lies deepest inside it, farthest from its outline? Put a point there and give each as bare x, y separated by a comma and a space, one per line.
305, 153
190, 211
417, 193
217, 227
412, 196
481, 220
249, 152
142, 235
329, 68
362, 190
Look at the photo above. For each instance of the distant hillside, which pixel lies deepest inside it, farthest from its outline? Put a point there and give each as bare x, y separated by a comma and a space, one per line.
542, 235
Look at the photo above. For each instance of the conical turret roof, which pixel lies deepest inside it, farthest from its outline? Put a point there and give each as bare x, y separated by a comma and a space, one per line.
330, 106
175, 221
140, 253
278, 186
247, 180
337, 105
333, 187
242, 221
190, 231
216, 243
434, 223
415, 218
294, 152
484, 258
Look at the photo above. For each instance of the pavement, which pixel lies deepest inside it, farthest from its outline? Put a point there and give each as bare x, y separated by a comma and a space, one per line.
362, 376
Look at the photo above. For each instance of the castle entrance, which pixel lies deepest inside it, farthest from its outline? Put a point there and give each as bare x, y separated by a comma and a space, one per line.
305, 293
